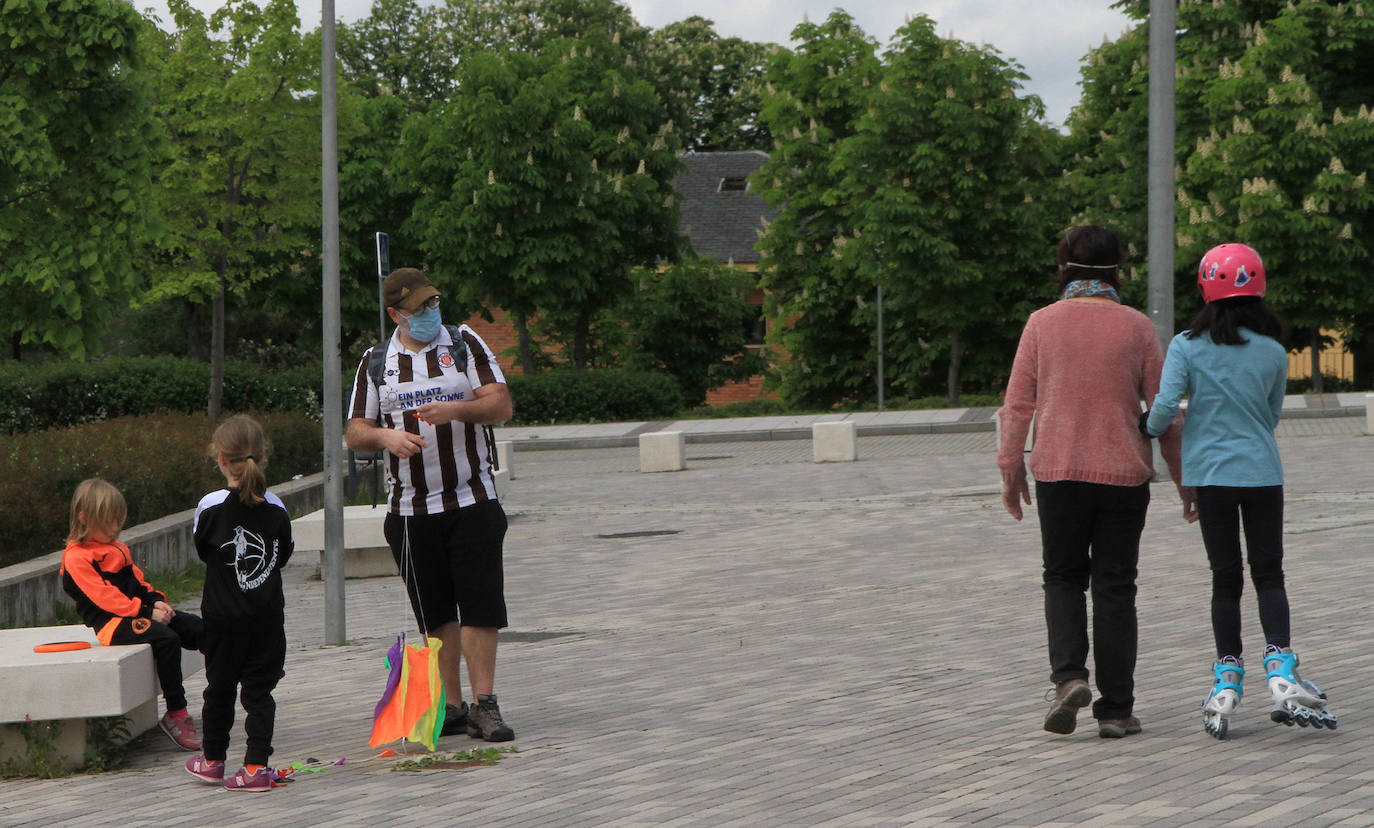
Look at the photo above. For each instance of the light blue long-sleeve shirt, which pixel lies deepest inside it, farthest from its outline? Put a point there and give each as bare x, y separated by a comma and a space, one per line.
1235, 397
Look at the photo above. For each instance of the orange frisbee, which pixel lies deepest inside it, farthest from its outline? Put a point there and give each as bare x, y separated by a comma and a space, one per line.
61, 646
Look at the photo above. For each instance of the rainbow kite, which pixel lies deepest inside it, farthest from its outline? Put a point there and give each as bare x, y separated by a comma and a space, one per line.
412, 706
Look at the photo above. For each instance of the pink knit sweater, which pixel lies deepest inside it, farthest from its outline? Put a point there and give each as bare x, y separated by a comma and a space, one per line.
1082, 369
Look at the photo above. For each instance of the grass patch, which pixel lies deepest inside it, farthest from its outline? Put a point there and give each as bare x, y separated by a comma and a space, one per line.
40, 757
178, 586
455, 761
107, 741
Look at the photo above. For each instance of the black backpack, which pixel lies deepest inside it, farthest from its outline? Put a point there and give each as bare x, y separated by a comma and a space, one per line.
376, 359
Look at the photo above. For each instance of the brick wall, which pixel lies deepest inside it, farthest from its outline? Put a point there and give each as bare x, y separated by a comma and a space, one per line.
499, 334
739, 392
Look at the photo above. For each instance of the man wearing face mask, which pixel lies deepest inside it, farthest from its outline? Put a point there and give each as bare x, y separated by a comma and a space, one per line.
443, 523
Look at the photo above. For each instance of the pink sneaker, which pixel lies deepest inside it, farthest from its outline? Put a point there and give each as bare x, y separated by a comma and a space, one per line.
245, 781
206, 770
182, 731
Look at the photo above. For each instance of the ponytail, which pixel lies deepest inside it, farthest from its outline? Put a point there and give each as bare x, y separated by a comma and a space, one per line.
252, 482
240, 442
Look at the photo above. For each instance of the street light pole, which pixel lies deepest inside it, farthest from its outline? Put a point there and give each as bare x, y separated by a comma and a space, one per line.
1163, 31
335, 629
880, 336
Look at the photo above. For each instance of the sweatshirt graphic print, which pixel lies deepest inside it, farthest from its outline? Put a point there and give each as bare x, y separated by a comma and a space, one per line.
244, 549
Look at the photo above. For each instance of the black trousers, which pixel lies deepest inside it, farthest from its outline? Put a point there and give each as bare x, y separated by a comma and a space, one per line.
247, 663
1221, 510
1090, 534
185, 631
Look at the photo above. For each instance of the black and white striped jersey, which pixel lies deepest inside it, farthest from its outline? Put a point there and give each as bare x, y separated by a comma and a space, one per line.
455, 468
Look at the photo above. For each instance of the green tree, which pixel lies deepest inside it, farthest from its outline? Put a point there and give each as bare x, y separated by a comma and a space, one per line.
689, 320
813, 99
401, 49
711, 85
76, 134
1105, 179
946, 166
1285, 168
235, 97
1271, 148
545, 183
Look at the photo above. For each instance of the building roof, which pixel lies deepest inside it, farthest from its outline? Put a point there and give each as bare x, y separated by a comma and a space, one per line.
720, 213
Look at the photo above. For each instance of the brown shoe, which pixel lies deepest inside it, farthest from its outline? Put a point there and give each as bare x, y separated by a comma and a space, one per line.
1117, 728
1069, 695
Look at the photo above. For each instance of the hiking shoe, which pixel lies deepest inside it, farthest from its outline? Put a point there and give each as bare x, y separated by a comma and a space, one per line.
257, 781
182, 731
484, 721
206, 770
1117, 728
1069, 695
455, 719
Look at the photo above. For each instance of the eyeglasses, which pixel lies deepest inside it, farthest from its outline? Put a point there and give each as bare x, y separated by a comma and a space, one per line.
432, 303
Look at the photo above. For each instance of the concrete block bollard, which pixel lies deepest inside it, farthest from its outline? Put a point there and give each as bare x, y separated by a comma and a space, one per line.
661, 451
505, 455
834, 442
1369, 413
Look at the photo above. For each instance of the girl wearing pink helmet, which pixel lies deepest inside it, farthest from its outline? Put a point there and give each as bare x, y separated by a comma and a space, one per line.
1234, 372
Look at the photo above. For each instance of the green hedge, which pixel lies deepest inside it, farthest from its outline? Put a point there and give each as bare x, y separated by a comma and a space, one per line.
160, 462
605, 395
55, 394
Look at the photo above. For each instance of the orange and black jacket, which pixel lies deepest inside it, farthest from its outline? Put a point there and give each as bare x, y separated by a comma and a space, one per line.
106, 586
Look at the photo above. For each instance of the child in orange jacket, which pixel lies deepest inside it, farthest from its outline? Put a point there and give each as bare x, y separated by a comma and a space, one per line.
113, 599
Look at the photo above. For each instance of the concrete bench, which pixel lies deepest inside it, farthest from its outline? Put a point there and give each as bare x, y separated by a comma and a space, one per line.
71, 687
366, 554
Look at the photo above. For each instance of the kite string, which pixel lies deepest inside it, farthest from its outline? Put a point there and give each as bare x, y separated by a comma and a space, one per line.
408, 574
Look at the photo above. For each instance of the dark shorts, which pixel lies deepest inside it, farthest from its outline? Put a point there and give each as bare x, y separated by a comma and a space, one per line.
451, 564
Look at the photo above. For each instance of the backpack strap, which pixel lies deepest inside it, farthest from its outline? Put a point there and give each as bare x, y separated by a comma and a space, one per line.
376, 363
458, 349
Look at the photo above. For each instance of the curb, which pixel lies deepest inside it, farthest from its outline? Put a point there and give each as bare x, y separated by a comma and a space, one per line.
984, 422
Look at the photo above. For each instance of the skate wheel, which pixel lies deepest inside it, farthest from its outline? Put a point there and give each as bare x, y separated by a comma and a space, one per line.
1318, 723
1331, 724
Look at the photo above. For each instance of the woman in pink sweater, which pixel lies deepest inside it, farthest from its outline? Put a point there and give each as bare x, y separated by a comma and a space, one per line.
1082, 368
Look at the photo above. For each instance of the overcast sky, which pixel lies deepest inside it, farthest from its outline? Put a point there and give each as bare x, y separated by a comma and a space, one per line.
1047, 37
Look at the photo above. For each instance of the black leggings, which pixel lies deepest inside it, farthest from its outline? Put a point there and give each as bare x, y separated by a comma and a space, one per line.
1221, 511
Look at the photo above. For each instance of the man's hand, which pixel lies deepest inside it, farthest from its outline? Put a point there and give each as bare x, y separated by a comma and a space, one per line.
1188, 495
403, 444
1014, 492
438, 413
163, 612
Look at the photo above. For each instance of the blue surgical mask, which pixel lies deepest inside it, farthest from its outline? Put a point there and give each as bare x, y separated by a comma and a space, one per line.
424, 326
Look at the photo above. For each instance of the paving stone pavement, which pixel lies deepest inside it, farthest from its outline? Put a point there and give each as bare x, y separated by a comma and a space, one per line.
761, 640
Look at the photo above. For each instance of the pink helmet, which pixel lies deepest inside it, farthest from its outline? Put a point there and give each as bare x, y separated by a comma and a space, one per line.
1229, 270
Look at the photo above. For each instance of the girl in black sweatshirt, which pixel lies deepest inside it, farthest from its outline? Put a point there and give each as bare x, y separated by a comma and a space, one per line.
243, 534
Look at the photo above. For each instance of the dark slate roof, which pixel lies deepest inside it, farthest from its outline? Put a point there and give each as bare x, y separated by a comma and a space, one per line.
722, 225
